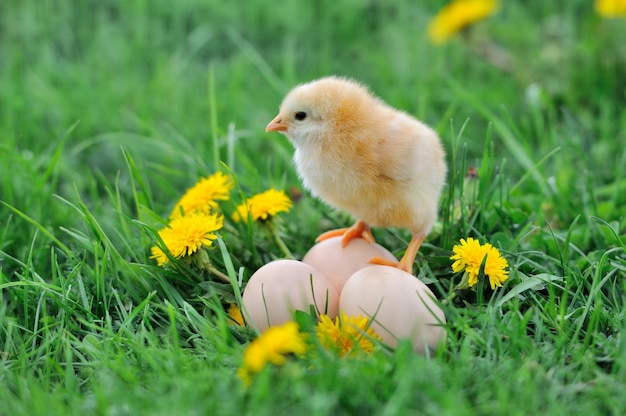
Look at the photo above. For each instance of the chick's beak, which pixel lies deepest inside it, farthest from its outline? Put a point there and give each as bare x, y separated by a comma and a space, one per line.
276, 125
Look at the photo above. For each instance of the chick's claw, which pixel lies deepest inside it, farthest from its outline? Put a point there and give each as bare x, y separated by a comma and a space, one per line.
358, 230
403, 264
383, 262
406, 263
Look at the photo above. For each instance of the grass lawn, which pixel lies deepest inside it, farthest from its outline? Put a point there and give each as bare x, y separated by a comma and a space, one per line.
111, 110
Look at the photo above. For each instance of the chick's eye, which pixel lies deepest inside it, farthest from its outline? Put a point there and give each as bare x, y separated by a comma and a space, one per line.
300, 115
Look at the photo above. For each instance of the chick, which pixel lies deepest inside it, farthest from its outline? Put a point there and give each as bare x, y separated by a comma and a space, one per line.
360, 155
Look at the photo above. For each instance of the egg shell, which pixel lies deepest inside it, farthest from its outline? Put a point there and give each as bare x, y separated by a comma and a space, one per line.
282, 286
339, 263
401, 306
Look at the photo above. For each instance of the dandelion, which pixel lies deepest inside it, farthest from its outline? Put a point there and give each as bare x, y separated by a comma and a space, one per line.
346, 334
272, 346
469, 256
186, 235
457, 15
203, 196
495, 266
234, 313
263, 206
610, 8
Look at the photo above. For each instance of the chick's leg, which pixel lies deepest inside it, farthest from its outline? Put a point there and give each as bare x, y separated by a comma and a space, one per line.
406, 262
358, 230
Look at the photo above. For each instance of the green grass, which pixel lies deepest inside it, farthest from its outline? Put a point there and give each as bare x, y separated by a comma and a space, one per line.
110, 110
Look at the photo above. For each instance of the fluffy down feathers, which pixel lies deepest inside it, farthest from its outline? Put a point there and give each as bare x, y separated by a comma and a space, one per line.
358, 154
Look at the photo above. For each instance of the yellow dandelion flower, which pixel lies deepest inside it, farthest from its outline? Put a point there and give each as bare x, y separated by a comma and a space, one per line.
346, 334
469, 256
263, 206
234, 313
495, 266
610, 8
457, 15
272, 346
186, 235
159, 255
203, 196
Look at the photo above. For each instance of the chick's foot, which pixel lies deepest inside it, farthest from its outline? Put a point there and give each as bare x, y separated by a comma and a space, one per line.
358, 230
406, 263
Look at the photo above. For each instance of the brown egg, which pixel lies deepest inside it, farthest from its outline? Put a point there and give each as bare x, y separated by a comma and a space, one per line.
339, 263
279, 288
401, 306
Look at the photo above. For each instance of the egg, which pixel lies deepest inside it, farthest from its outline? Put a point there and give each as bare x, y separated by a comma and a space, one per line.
339, 263
401, 306
279, 288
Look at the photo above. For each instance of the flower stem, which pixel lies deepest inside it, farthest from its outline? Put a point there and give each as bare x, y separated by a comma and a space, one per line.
450, 298
281, 244
223, 277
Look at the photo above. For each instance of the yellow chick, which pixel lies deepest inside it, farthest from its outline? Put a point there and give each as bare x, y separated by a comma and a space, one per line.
358, 154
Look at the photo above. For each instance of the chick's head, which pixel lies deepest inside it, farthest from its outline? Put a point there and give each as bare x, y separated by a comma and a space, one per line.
322, 109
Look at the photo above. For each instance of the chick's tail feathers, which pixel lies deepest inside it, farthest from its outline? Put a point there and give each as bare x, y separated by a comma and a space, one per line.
358, 230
